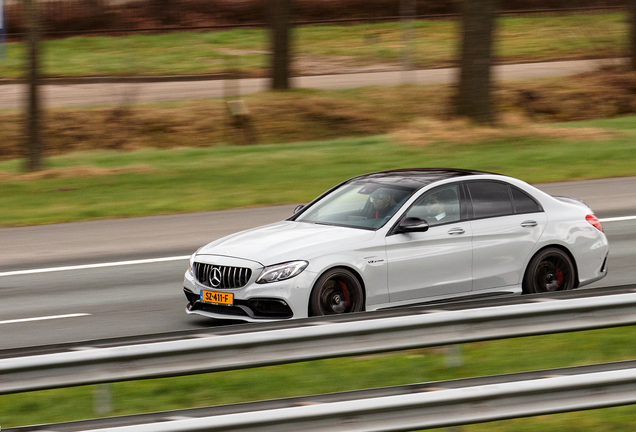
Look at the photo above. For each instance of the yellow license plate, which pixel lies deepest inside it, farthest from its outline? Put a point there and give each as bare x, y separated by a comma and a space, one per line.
217, 297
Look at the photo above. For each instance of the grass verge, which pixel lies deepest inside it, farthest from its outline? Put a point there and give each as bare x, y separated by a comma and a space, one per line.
111, 184
484, 358
324, 49
317, 115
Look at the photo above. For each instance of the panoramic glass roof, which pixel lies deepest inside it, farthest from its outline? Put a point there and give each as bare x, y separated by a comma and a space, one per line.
414, 178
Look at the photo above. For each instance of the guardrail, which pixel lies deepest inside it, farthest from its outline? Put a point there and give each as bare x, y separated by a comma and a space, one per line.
469, 302
314, 339
407, 407
442, 408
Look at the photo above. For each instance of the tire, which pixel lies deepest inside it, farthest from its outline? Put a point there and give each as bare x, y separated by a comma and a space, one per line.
337, 291
549, 270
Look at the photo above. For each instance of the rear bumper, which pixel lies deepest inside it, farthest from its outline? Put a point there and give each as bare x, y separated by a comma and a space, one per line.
600, 275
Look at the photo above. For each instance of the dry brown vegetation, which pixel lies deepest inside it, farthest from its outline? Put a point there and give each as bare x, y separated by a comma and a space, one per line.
415, 114
83, 15
610, 92
76, 171
509, 127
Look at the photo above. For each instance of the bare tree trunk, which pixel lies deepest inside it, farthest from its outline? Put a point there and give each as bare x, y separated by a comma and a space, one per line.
34, 145
97, 11
280, 11
632, 32
474, 99
163, 11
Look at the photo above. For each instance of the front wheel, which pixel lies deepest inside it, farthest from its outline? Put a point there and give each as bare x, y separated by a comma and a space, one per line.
337, 291
550, 270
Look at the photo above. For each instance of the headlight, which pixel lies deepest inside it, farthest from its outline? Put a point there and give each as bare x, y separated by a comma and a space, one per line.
191, 263
281, 272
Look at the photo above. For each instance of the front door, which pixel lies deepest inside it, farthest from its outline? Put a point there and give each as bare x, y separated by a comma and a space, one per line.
437, 262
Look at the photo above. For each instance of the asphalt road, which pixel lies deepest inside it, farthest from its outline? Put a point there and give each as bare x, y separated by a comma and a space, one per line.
145, 298
87, 92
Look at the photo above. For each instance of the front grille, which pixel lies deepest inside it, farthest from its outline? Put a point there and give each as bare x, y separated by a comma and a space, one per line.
228, 277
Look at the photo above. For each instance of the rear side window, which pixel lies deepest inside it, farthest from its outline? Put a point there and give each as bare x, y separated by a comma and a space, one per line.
490, 199
523, 202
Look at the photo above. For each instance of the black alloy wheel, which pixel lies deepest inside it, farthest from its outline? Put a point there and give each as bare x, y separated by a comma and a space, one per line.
337, 291
550, 270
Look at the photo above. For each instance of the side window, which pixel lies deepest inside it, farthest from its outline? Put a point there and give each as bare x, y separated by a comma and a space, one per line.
490, 199
438, 206
523, 202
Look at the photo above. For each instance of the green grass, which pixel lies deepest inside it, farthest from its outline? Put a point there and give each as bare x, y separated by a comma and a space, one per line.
545, 38
484, 358
322, 49
198, 179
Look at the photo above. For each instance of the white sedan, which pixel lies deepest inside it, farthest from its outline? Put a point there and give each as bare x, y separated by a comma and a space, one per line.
397, 238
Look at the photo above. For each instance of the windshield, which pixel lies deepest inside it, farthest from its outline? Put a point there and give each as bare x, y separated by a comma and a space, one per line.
358, 205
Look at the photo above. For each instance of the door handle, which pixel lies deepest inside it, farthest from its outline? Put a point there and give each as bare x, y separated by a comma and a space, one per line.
529, 224
456, 231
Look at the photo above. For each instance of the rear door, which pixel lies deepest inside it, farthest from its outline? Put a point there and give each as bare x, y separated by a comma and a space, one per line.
506, 226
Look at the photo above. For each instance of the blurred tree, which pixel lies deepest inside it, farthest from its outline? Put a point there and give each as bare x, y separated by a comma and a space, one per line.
33, 143
163, 11
473, 99
97, 12
280, 17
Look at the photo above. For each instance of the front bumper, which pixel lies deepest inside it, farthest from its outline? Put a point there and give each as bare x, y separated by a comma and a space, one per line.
253, 302
257, 310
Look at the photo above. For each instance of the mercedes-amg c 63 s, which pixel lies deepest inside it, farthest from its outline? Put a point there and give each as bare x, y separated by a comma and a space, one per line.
397, 238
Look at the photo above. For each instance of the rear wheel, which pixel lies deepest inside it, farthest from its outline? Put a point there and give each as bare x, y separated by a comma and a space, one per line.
337, 291
549, 270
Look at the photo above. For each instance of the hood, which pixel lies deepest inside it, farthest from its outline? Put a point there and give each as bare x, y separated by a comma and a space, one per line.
286, 241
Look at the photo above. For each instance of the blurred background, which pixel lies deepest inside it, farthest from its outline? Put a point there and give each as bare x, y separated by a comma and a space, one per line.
418, 77
114, 109
217, 46
74, 17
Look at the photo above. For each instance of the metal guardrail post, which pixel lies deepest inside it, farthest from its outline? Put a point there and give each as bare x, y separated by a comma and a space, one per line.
103, 399
454, 356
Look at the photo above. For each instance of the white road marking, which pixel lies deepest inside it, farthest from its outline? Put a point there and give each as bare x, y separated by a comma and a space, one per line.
617, 219
92, 266
21, 320
174, 258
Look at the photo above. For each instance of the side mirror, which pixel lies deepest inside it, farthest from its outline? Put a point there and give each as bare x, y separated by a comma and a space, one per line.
299, 208
412, 224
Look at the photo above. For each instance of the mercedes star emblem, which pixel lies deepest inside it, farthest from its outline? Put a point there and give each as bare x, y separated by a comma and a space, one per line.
215, 277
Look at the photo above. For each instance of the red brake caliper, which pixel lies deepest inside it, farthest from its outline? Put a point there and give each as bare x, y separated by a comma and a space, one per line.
345, 291
559, 275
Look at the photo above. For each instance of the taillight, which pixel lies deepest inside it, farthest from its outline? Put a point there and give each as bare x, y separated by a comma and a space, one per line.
592, 219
